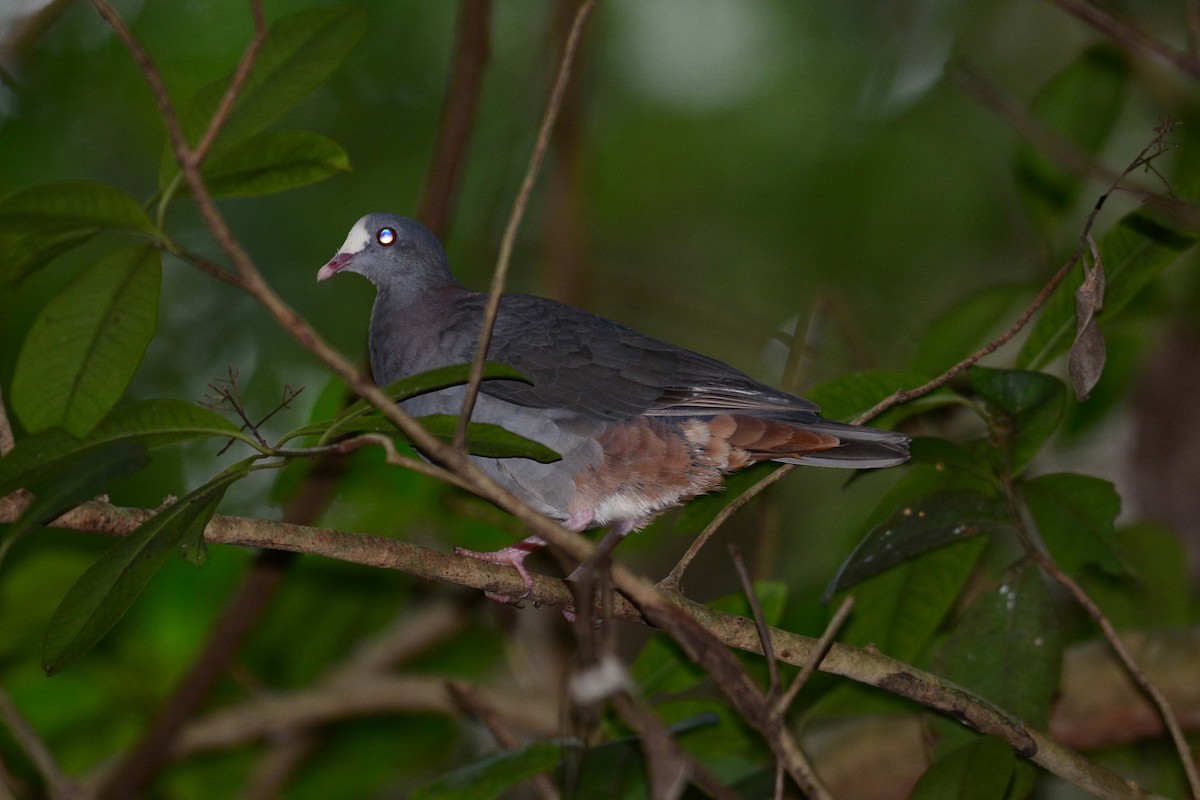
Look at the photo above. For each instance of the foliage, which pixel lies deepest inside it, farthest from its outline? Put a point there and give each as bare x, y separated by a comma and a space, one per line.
944, 565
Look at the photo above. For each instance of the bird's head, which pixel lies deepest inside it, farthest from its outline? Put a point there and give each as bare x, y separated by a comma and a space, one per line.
391, 251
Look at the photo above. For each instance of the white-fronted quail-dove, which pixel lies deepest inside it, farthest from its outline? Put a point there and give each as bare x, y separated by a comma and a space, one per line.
641, 425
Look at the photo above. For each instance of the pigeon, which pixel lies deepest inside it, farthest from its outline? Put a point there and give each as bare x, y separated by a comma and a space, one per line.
641, 425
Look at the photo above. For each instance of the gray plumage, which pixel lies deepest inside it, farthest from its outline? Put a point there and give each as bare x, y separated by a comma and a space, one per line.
620, 407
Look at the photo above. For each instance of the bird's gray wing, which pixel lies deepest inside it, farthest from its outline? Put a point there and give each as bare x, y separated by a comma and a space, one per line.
601, 369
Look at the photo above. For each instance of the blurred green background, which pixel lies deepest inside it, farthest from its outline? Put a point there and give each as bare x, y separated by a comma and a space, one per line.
734, 167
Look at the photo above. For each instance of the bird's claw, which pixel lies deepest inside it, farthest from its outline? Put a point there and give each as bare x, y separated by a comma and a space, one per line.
508, 556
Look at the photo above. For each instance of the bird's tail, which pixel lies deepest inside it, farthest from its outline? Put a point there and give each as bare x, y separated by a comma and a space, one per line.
860, 447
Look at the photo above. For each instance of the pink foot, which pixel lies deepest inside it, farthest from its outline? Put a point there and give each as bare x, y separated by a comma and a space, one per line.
513, 556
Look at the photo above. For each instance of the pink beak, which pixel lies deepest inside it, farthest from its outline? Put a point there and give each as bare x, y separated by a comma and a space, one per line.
334, 266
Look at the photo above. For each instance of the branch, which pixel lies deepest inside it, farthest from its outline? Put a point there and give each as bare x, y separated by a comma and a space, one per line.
268, 714
240, 76
60, 786
473, 703
1131, 666
514, 220
241, 614
6, 432
662, 751
800, 767
1060, 150
686, 624
1130, 37
1151, 151
471, 50
672, 582
813, 662
727, 630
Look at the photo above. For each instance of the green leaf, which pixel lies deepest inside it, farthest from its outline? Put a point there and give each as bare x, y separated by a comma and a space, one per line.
772, 598
1006, 648
192, 547
300, 53
978, 770
848, 396
1025, 408
1156, 590
938, 469
1134, 252
87, 342
1080, 104
74, 206
491, 776
965, 326
899, 611
83, 477
108, 588
412, 386
662, 668
929, 522
151, 423
273, 161
23, 254
617, 768
1075, 515
492, 441
483, 438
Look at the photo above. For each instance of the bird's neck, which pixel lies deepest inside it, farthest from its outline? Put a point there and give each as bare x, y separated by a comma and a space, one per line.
403, 336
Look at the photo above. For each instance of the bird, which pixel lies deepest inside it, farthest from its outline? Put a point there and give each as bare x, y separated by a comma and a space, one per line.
641, 425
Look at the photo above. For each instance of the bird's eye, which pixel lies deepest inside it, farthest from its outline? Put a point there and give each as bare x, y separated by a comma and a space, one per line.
386, 236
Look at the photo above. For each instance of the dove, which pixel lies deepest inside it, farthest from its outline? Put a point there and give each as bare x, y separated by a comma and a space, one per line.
641, 425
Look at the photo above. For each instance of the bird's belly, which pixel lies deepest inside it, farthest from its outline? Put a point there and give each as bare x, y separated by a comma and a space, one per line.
548, 488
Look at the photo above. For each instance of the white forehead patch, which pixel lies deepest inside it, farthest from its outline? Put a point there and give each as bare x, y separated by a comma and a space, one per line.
357, 240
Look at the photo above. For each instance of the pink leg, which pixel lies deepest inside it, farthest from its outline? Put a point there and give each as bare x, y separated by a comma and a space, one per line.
514, 556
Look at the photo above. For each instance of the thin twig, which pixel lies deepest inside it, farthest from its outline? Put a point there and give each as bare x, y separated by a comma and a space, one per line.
59, 785
764, 636
241, 614
806, 337
6, 432
656, 736
209, 268
290, 393
870, 667
1151, 151
686, 627
1052, 144
7, 781
760, 622
254, 285
672, 582
289, 751
1155, 148
699, 643
236, 84
1139, 677
1193, 28
412, 633
312, 706
813, 662
459, 104
514, 221
1128, 36
474, 704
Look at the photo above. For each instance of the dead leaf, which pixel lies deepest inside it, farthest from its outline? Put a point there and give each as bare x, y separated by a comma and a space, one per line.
1085, 362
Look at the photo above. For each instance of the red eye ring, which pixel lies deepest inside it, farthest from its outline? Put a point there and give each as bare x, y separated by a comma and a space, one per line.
386, 236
